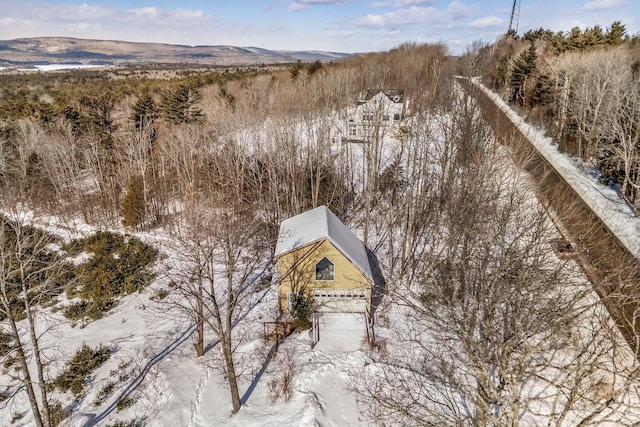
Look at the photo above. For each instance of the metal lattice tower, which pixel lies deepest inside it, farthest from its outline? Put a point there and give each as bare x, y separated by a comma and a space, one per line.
515, 16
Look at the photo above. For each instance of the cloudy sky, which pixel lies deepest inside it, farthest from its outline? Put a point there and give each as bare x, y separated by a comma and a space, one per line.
333, 25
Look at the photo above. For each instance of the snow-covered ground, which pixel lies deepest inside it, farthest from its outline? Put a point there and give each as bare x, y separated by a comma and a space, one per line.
153, 361
55, 67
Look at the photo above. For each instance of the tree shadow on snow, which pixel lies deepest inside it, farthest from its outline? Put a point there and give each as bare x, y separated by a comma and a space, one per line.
94, 419
379, 284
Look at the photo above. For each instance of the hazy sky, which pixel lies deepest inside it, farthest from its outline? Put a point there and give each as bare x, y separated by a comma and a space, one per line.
334, 25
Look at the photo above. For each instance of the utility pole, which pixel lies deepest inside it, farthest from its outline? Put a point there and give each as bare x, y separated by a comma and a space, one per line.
515, 15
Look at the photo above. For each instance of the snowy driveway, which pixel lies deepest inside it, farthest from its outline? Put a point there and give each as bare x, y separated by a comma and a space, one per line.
341, 332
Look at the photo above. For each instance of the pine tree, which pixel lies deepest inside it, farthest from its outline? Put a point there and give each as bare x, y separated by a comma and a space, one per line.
133, 204
180, 105
523, 69
575, 39
594, 36
144, 116
512, 34
616, 33
73, 116
98, 112
302, 311
314, 67
558, 42
542, 92
294, 72
145, 112
539, 34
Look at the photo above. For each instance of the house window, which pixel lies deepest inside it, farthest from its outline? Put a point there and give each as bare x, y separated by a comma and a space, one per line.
325, 270
353, 130
367, 117
396, 117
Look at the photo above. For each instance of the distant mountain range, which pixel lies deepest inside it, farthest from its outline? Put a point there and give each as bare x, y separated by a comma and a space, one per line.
27, 52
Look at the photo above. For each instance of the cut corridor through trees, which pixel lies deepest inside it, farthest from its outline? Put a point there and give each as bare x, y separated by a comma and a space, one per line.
607, 260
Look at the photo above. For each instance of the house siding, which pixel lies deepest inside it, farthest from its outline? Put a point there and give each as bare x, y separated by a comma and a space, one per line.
376, 115
347, 275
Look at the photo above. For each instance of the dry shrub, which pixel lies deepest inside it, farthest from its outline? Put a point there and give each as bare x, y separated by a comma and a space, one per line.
282, 386
379, 346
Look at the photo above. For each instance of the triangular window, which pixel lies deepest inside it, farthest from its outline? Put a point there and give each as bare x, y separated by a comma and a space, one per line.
325, 270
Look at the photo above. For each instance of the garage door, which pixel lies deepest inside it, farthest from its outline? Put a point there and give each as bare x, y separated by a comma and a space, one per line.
339, 300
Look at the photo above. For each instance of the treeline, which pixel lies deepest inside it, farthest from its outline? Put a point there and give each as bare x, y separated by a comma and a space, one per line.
583, 86
578, 39
46, 96
125, 150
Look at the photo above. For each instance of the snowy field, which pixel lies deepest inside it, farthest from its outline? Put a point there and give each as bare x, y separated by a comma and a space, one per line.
56, 67
153, 362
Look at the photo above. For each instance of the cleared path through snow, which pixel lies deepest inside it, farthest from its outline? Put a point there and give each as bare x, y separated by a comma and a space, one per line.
341, 332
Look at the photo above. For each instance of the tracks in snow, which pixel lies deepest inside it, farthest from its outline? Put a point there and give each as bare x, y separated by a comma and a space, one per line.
135, 383
195, 404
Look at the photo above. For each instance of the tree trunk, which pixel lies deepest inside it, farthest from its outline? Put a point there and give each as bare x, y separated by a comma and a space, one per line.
46, 417
231, 374
199, 344
24, 367
482, 399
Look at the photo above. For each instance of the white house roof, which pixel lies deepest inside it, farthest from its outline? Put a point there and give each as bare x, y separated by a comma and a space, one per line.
393, 95
317, 224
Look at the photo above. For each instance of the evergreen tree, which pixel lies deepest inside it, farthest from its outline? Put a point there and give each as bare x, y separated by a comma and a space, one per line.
539, 34
133, 204
558, 42
575, 39
98, 109
542, 92
45, 112
72, 115
594, 36
144, 116
512, 34
302, 311
180, 106
314, 67
616, 33
523, 69
145, 111
294, 72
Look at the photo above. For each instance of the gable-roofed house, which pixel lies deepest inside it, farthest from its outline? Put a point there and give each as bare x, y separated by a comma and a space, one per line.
375, 114
319, 256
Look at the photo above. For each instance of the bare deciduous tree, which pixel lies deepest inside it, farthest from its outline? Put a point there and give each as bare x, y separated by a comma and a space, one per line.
223, 246
597, 99
29, 274
495, 329
223, 253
